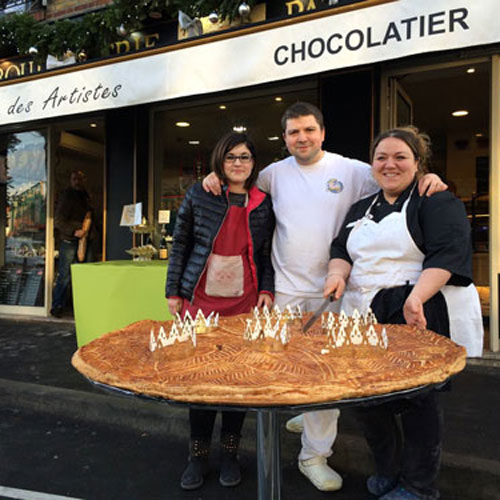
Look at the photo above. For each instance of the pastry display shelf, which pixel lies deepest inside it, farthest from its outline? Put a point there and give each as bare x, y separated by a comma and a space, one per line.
268, 433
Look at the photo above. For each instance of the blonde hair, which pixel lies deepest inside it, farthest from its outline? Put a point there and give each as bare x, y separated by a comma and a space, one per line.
418, 142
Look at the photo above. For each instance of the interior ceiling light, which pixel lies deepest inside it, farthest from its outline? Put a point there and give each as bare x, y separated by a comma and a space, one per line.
194, 143
460, 112
471, 70
182, 124
239, 129
93, 125
278, 99
222, 106
273, 138
479, 134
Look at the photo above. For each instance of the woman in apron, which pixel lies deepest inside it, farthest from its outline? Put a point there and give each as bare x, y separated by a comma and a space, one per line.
220, 262
410, 260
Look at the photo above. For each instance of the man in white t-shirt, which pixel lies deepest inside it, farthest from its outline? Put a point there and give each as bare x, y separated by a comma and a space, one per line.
311, 190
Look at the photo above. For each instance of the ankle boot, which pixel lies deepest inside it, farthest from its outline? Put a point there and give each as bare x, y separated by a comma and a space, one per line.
230, 474
197, 468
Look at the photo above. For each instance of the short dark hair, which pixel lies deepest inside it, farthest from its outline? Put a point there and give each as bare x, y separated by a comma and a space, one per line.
223, 146
302, 109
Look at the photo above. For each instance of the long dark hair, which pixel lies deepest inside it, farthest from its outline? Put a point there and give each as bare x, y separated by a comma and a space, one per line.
223, 146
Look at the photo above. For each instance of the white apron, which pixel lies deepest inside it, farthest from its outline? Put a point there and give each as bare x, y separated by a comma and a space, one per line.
385, 256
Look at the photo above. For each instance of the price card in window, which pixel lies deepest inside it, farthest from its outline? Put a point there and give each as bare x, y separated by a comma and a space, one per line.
163, 216
131, 215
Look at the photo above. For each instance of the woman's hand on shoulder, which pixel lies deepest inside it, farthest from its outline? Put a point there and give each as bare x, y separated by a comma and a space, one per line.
212, 184
264, 300
430, 184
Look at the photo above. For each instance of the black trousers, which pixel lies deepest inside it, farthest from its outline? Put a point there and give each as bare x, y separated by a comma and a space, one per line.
405, 437
202, 423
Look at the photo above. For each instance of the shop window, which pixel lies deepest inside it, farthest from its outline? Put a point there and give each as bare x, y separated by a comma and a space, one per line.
23, 200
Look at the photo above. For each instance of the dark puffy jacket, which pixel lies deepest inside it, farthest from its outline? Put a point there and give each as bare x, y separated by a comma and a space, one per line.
198, 222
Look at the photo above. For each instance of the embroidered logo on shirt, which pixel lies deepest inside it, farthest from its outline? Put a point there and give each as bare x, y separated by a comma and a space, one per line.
334, 186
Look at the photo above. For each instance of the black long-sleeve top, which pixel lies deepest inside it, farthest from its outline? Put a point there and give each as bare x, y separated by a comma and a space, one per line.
438, 225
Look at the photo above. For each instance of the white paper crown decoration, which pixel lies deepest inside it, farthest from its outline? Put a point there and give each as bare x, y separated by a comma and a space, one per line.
200, 323
354, 331
267, 325
291, 314
178, 333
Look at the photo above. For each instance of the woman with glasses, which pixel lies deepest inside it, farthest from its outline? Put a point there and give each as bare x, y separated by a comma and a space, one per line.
220, 262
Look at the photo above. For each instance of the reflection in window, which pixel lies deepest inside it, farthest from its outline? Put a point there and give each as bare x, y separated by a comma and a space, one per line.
17, 6
23, 193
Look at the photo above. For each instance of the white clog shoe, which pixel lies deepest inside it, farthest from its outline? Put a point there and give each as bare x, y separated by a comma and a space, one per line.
320, 474
295, 424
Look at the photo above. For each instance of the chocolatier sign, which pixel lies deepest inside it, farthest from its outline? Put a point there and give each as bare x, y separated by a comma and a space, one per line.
382, 32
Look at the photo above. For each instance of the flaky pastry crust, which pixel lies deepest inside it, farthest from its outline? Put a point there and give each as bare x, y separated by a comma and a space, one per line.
227, 370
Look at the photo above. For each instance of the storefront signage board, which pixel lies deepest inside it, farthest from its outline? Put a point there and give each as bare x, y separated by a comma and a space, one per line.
383, 32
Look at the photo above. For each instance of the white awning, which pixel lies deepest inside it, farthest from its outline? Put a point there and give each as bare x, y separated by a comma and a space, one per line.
382, 32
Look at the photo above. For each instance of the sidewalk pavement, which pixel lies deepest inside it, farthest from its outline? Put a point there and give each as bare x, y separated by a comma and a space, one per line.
36, 375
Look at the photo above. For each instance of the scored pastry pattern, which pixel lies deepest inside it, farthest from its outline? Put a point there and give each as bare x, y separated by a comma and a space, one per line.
226, 369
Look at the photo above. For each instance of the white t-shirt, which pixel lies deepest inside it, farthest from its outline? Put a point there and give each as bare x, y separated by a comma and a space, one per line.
310, 203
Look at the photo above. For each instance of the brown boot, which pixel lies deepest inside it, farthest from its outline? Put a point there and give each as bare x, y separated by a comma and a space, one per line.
230, 474
197, 468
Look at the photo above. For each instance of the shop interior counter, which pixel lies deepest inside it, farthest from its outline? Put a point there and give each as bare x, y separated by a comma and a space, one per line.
110, 295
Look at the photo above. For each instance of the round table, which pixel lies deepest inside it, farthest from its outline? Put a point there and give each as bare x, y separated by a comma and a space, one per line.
268, 433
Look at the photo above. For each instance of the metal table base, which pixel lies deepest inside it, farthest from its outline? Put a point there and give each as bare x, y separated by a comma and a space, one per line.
268, 431
268, 456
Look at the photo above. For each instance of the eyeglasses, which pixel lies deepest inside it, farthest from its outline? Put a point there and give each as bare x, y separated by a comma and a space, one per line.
244, 158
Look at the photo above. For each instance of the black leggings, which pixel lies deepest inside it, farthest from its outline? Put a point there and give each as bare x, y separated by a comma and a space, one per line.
202, 423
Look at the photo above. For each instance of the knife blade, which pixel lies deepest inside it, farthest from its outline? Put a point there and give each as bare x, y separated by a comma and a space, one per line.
318, 313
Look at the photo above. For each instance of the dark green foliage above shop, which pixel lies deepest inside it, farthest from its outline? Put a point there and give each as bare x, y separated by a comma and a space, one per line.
90, 35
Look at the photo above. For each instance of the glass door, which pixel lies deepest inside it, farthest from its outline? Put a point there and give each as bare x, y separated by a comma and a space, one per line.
450, 102
23, 217
402, 105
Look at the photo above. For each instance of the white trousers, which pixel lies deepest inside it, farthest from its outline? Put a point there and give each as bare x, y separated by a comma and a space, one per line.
320, 427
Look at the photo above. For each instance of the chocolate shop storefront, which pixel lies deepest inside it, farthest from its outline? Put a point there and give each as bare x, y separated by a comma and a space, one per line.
142, 125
